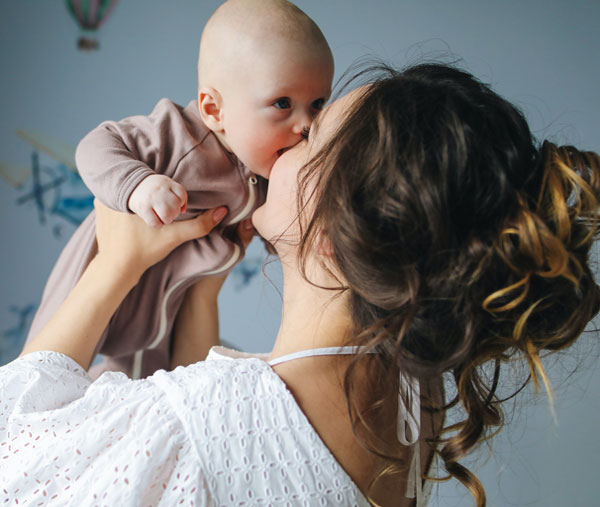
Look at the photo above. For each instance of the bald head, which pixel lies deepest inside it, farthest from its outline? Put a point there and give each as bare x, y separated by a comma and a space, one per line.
242, 31
264, 72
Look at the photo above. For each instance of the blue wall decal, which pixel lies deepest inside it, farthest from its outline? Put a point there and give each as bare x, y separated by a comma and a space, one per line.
12, 338
53, 187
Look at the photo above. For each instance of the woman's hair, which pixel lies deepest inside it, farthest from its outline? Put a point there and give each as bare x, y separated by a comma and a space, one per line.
462, 242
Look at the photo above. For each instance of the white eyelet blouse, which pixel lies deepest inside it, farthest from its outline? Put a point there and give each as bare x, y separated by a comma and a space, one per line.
224, 432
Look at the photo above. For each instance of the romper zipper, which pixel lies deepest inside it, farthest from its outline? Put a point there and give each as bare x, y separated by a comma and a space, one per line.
237, 252
252, 181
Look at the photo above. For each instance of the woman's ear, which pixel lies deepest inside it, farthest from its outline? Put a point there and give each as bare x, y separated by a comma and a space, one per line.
210, 107
324, 245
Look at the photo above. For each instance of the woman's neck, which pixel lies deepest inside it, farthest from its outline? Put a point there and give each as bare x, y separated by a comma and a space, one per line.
316, 318
312, 317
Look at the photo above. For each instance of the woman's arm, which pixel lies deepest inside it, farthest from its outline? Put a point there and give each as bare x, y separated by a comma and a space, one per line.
196, 328
77, 326
126, 248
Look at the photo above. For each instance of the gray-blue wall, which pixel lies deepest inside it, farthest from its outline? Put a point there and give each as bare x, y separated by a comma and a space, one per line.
543, 55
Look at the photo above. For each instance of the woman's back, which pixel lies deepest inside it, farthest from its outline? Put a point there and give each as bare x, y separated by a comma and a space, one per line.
317, 386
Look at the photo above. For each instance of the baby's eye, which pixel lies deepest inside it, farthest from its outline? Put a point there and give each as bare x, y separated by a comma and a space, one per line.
305, 133
318, 104
282, 103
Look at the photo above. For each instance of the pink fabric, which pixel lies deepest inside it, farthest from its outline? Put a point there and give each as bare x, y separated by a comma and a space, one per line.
112, 160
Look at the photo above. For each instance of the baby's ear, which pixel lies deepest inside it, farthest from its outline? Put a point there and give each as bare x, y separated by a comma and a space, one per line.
209, 104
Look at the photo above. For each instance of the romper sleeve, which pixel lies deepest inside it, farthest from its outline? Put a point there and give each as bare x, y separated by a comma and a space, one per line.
117, 155
67, 441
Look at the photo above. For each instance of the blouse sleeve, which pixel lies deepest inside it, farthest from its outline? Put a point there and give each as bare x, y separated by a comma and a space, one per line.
67, 441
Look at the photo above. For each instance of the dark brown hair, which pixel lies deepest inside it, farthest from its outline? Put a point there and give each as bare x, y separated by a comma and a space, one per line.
462, 242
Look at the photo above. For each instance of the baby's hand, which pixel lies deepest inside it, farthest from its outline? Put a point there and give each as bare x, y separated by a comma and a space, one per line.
158, 200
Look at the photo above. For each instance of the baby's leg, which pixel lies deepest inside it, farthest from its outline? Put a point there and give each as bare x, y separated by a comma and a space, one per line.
141, 364
194, 333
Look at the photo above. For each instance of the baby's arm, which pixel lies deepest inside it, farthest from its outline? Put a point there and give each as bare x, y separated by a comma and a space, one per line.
128, 164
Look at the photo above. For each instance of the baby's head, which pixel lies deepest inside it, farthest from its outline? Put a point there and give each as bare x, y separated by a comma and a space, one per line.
264, 72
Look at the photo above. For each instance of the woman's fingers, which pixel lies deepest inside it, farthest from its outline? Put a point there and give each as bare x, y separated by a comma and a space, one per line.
198, 227
125, 238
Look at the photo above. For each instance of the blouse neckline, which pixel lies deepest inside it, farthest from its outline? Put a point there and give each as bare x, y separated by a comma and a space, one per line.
220, 352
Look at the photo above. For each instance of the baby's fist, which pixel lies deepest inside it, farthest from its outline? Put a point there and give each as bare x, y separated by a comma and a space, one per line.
158, 200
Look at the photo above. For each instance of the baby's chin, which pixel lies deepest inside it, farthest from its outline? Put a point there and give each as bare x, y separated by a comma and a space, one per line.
264, 172
282, 151
257, 215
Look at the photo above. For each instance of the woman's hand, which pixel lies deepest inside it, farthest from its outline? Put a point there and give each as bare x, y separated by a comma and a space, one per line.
127, 246
211, 285
125, 241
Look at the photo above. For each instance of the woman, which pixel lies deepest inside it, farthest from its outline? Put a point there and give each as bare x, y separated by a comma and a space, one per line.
420, 232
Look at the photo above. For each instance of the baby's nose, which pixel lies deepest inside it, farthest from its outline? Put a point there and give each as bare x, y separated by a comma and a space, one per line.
302, 121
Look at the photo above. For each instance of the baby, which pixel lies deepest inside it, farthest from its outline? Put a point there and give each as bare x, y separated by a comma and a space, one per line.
264, 71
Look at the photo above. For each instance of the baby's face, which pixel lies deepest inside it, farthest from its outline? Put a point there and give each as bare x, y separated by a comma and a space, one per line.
267, 110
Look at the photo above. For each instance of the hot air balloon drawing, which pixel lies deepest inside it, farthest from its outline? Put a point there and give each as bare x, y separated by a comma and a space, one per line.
90, 16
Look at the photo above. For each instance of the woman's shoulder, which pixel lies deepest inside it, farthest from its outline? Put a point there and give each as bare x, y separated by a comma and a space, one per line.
125, 428
223, 367
227, 379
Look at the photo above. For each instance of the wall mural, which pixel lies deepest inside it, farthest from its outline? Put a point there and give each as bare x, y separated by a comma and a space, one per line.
52, 185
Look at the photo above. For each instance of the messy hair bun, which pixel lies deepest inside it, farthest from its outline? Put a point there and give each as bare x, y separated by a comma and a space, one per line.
550, 291
463, 245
